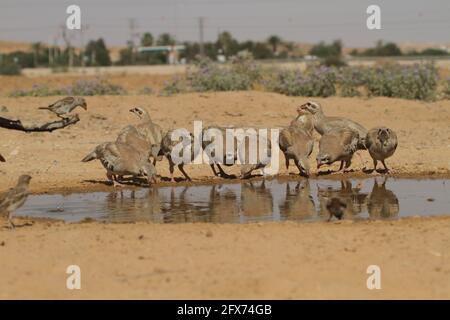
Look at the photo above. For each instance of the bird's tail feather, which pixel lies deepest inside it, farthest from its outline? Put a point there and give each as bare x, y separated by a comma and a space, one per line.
91, 156
44, 108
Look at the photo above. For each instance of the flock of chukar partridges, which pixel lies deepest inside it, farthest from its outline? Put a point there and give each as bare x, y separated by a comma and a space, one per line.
138, 147
342, 137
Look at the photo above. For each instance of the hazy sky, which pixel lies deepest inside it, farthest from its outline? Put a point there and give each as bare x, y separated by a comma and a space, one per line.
297, 20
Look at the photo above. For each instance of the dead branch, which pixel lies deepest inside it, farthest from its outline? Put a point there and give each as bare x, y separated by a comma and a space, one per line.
47, 127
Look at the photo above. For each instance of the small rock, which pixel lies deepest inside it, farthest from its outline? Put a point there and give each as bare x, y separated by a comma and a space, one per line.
141, 237
430, 199
209, 234
2, 244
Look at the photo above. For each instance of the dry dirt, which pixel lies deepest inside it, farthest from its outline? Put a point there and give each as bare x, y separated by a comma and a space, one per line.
269, 260
225, 261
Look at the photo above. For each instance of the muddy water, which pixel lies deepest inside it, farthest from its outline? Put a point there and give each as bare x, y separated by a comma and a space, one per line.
304, 200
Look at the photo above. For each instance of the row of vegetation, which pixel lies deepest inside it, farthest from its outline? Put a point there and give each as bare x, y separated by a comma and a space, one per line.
96, 52
418, 81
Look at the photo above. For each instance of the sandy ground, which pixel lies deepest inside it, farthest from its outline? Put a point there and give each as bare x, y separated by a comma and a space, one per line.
224, 261
53, 159
264, 260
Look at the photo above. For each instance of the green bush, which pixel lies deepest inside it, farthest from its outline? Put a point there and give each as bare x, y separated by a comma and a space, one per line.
314, 82
418, 81
78, 88
10, 69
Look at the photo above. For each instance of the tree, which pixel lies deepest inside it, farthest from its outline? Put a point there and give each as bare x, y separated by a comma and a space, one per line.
97, 53
324, 50
226, 42
274, 41
147, 39
165, 39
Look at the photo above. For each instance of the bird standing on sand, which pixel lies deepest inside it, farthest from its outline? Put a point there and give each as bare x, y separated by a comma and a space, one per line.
381, 143
14, 198
120, 159
336, 208
66, 105
337, 145
324, 124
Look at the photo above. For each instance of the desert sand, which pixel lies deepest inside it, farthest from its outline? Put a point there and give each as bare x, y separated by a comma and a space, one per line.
264, 260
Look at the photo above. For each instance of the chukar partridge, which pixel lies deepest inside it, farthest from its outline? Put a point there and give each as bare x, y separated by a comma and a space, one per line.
324, 124
337, 145
381, 142
296, 144
120, 159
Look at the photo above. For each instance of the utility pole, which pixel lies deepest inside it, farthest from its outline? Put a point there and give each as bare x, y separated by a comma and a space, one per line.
201, 35
68, 45
83, 27
132, 27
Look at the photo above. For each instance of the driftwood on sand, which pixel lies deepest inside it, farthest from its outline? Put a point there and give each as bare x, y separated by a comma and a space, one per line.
46, 127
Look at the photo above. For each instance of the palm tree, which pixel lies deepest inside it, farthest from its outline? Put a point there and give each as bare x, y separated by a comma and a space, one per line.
274, 41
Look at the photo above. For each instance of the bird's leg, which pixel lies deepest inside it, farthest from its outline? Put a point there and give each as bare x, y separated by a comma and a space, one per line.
171, 169
300, 168
342, 166
222, 173
111, 177
214, 169
385, 166
181, 167
287, 163
375, 163
347, 165
11, 224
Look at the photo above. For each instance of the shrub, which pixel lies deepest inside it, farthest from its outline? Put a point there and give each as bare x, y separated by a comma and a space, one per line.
79, 88
10, 69
447, 88
97, 87
35, 91
145, 91
208, 76
174, 86
349, 79
418, 81
314, 82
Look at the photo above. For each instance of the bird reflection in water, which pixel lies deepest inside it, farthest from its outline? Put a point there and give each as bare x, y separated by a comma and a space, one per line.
251, 201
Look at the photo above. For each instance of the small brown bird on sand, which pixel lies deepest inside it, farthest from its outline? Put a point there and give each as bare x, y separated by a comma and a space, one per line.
66, 105
2, 159
14, 198
336, 208
381, 143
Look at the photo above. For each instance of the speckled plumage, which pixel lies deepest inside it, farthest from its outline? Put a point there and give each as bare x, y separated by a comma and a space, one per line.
14, 198
381, 143
297, 144
66, 105
324, 124
120, 159
337, 145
